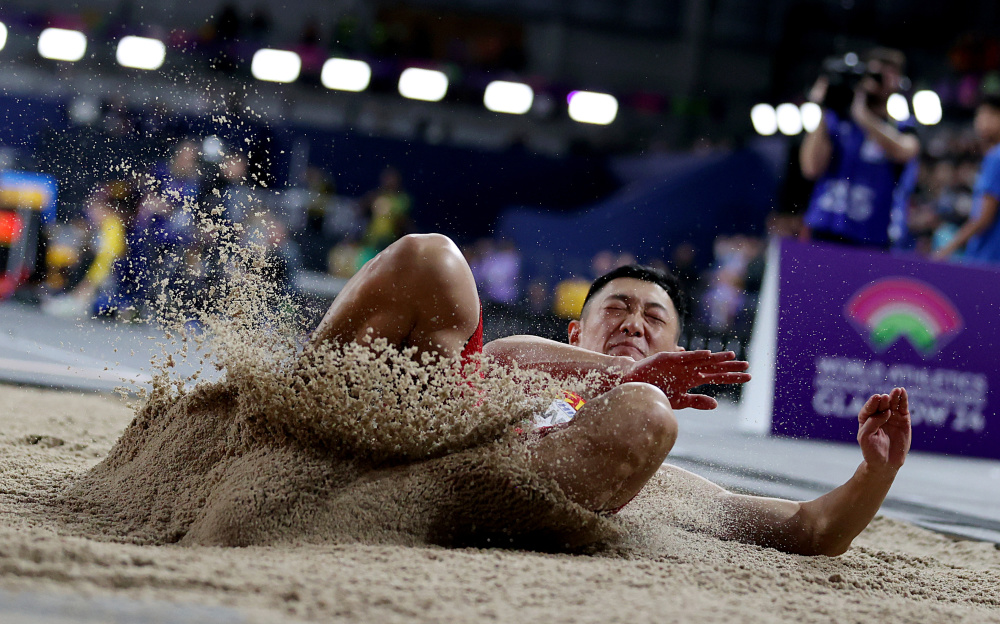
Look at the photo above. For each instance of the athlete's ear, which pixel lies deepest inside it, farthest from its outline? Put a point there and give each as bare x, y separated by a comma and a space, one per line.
574, 333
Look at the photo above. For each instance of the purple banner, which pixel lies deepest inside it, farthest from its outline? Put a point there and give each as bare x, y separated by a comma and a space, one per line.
852, 323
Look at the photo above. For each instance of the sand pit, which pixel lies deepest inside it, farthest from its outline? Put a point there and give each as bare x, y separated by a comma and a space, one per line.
656, 571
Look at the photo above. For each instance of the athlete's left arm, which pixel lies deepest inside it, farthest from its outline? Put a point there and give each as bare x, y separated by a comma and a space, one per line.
675, 373
828, 524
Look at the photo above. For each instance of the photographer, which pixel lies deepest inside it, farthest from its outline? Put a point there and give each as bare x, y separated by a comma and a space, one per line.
863, 162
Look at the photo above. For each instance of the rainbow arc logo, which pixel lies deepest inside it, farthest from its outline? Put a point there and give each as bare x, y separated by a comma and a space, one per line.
900, 307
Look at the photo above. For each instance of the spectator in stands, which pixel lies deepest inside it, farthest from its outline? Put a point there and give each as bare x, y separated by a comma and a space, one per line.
724, 299
571, 292
500, 268
180, 178
981, 233
863, 162
156, 243
728, 301
237, 196
313, 237
282, 257
106, 245
388, 209
538, 297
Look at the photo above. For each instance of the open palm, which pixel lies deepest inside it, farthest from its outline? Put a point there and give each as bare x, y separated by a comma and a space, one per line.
676, 373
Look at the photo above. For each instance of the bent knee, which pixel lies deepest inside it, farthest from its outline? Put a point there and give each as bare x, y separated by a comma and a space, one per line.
646, 422
651, 410
423, 252
438, 278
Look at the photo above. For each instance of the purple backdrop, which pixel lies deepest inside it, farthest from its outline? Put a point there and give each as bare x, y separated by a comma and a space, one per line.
852, 323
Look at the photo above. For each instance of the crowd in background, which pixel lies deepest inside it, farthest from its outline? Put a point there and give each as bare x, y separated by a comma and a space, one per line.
150, 230
164, 236
138, 235
942, 201
720, 297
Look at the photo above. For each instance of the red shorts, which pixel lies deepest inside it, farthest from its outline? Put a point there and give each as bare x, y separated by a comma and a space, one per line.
474, 345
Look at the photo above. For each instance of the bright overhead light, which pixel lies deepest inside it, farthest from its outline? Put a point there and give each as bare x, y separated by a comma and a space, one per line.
508, 97
591, 107
3, 35
927, 107
789, 119
423, 84
811, 114
141, 52
897, 107
346, 75
275, 65
60, 44
764, 119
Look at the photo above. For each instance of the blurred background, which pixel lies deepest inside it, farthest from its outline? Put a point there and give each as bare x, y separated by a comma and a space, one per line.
552, 140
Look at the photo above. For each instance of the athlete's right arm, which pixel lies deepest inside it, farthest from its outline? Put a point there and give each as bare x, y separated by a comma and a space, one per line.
562, 361
675, 373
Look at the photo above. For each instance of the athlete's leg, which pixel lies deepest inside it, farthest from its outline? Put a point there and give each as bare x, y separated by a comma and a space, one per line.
612, 447
418, 292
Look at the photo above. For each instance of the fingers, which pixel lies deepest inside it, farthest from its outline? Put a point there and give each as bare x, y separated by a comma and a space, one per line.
872, 424
900, 401
875, 403
701, 354
724, 378
695, 401
732, 366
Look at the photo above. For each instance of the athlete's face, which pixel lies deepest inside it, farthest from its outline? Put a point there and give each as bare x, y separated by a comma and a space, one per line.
629, 317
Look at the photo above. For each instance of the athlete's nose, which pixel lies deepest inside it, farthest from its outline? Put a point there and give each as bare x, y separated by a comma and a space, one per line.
632, 326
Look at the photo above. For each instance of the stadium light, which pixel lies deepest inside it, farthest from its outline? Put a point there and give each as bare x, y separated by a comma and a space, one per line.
811, 114
593, 108
897, 107
764, 119
423, 84
141, 52
346, 75
3, 35
927, 107
789, 119
60, 44
275, 65
508, 97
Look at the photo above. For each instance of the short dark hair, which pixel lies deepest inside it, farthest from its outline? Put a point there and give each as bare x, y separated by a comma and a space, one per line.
664, 279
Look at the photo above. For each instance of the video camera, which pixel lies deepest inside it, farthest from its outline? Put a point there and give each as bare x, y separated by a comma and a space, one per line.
843, 74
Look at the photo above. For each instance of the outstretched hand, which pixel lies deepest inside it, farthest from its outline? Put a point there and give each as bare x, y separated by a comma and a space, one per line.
884, 429
676, 373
